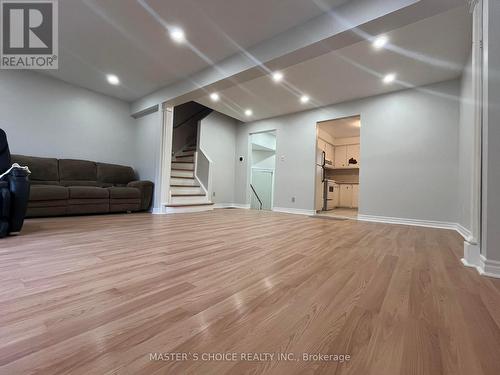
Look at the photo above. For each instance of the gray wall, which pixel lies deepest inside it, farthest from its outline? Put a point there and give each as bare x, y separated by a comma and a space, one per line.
409, 148
466, 148
217, 139
47, 117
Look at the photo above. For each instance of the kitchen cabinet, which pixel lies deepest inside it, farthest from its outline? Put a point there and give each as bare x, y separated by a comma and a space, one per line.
340, 157
344, 153
353, 153
327, 148
330, 152
345, 196
355, 194
348, 196
336, 195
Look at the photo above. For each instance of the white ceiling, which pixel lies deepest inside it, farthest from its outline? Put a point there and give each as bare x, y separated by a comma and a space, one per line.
124, 38
432, 50
342, 128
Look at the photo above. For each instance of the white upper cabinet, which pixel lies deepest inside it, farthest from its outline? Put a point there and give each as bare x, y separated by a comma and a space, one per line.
353, 153
330, 152
340, 157
344, 153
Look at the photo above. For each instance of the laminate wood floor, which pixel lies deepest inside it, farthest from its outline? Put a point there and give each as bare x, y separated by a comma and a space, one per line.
98, 295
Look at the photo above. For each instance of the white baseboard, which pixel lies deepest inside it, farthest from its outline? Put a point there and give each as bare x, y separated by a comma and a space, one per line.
232, 205
295, 211
490, 268
464, 232
413, 222
472, 257
158, 211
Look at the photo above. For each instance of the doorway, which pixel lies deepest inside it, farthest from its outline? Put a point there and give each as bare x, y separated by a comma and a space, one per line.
263, 166
338, 163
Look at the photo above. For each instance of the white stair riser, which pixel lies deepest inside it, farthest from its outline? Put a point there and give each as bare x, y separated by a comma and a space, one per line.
183, 181
179, 210
186, 190
189, 200
182, 174
188, 166
189, 158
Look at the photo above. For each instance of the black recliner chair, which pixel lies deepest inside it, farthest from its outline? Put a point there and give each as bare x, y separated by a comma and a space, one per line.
14, 192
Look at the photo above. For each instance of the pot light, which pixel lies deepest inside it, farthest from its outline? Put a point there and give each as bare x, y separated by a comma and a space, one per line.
248, 112
380, 42
277, 76
177, 35
304, 99
215, 97
389, 78
112, 79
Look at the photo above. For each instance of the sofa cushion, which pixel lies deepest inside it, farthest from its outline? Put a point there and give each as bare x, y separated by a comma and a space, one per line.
114, 174
43, 170
80, 183
78, 170
124, 193
48, 193
87, 192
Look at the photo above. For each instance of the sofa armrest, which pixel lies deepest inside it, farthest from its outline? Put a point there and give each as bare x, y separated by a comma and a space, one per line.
19, 186
146, 188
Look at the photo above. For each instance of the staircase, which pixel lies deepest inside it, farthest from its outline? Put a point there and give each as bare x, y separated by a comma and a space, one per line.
187, 195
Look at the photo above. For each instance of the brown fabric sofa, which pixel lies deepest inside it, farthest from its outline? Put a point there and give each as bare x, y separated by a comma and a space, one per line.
74, 187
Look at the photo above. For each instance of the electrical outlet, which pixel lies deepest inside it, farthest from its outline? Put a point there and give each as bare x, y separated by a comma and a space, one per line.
293, 199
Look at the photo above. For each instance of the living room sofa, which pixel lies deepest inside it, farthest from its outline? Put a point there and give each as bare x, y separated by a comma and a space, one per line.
73, 187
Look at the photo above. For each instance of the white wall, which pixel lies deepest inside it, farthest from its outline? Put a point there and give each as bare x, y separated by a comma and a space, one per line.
409, 148
148, 141
466, 148
217, 139
263, 159
43, 116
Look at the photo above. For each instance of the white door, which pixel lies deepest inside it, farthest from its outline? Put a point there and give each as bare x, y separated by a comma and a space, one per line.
262, 182
353, 153
340, 156
345, 196
355, 194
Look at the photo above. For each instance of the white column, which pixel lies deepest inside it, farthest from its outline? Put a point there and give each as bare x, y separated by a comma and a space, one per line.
490, 238
164, 170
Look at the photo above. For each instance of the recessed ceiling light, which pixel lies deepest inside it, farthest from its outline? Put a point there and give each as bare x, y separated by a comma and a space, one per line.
112, 79
248, 112
389, 78
215, 97
304, 99
177, 35
380, 42
277, 76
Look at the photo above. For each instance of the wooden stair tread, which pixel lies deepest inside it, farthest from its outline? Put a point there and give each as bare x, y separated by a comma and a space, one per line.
186, 170
185, 178
189, 204
182, 162
185, 186
185, 156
